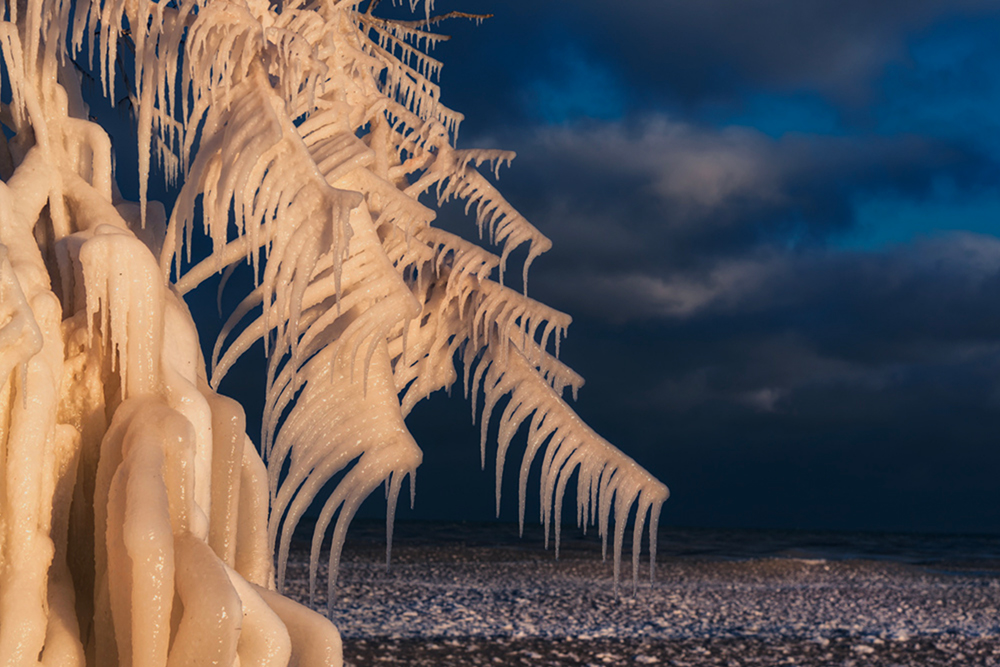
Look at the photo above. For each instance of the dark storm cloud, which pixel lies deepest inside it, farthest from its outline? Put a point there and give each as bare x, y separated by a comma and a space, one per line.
548, 60
672, 229
665, 218
837, 389
700, 49
828, 318
818, 319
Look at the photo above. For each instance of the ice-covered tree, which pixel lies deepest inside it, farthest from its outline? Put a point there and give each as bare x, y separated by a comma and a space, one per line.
138, 523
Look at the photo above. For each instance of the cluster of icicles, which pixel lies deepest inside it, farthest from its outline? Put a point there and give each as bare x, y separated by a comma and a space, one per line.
138, 523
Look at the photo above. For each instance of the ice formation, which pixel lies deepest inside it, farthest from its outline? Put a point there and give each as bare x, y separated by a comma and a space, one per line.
138, 522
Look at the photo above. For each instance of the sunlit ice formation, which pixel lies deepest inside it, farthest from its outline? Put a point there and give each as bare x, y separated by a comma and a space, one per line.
138, 523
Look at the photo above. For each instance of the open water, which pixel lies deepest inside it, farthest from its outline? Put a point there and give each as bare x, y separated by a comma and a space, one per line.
476, 594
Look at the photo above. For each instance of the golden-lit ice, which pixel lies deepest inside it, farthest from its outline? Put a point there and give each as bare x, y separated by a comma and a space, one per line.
138, 523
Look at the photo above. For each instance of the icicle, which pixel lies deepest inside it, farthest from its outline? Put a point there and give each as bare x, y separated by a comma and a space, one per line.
392, 498
654, 522
642, 507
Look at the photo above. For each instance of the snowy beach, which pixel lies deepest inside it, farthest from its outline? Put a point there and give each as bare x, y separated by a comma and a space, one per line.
474, 594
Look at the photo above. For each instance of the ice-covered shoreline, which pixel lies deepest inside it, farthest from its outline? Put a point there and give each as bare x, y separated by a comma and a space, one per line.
440, 599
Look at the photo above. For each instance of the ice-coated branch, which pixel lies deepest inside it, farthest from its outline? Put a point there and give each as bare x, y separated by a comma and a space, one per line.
138, 522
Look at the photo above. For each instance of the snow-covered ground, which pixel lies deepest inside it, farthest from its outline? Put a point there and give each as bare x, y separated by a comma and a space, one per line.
462, 604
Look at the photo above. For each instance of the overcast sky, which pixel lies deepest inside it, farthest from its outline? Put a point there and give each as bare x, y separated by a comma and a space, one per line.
775, 224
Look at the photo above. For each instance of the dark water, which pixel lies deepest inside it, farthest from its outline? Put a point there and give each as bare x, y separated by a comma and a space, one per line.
913, 548
928, 549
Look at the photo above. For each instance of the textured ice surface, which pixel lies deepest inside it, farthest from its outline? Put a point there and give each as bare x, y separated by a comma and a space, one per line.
474, 602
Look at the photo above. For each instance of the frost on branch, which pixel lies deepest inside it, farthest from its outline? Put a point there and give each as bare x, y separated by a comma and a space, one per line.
138, 523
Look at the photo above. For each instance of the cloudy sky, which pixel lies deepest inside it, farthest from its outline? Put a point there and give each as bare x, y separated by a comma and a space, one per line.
775, 224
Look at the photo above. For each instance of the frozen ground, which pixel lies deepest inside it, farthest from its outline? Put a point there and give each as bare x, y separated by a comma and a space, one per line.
454, 602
